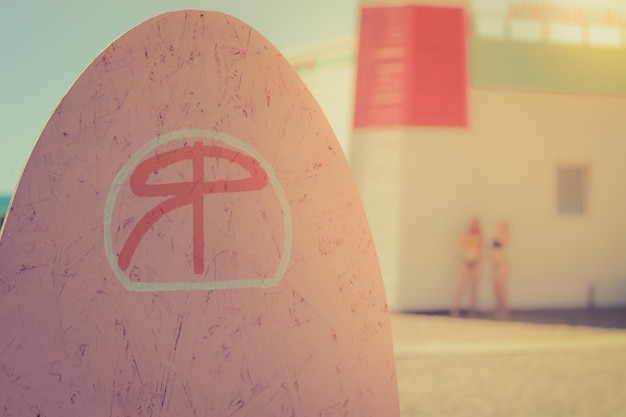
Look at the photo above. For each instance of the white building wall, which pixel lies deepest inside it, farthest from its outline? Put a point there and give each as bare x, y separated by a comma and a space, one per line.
420, 186
521, 138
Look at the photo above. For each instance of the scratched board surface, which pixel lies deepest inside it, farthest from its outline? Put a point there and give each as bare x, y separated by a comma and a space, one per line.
187, 240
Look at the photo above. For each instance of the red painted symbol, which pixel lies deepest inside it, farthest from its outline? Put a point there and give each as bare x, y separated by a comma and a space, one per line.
187, 193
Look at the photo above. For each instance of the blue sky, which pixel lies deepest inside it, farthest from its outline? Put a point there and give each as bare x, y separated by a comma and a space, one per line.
47, 44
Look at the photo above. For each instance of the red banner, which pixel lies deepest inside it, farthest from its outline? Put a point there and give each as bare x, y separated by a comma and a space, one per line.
411, 69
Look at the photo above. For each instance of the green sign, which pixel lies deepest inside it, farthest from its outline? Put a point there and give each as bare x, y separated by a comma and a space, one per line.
549, 45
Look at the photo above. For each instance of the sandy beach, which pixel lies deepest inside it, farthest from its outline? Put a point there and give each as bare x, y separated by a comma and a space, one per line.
458, 367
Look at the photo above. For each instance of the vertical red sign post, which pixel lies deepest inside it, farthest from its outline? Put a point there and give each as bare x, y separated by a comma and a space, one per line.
411, 69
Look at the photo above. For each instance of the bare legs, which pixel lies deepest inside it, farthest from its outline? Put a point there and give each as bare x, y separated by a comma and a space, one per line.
468, 275
499, 289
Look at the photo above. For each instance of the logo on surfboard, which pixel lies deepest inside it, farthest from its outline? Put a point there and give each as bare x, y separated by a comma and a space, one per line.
197, 210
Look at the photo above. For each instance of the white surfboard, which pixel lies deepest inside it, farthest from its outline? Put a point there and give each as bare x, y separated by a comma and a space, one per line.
187, 240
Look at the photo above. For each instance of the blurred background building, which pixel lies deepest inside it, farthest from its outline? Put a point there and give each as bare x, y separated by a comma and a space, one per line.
502, 109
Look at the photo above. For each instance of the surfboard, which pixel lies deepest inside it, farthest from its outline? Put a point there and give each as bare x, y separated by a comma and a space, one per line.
186, 239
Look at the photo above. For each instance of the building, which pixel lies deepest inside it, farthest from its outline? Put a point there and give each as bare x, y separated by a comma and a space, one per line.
543, 148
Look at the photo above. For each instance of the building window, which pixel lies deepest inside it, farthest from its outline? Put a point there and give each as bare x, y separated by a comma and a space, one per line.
572, 184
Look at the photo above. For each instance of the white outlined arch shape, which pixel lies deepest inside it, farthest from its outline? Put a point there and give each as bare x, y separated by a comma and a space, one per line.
124, 173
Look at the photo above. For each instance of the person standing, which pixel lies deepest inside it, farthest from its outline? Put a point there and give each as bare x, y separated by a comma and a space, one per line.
500, 269
470, 248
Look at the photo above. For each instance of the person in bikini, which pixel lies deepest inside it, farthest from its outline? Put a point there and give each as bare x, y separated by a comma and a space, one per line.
499, 270
470, 248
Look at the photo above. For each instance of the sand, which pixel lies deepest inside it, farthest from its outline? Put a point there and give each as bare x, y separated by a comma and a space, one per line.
479, 368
